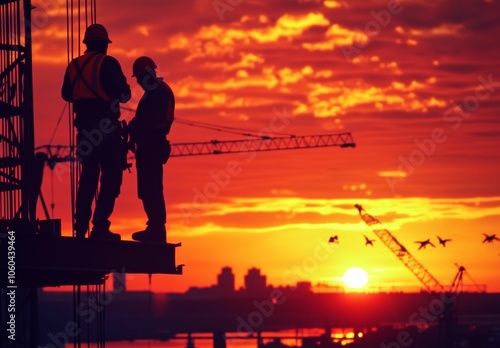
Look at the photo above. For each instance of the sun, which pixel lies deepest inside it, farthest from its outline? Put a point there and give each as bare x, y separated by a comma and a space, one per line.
355, 278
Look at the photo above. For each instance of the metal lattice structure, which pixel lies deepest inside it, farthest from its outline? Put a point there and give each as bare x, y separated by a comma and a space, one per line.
398, 249
63, 153
16, 160
215, 147
16, 110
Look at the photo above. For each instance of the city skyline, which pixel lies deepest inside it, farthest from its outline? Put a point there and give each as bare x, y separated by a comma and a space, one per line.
255, 282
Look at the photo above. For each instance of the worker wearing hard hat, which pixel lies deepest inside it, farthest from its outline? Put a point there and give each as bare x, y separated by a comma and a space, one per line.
149, 128
95, 84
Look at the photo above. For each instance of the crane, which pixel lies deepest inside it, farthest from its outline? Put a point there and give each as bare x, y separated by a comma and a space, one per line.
422, 274
448, 318
54, 154
63, 153
398, 249
457, 283
22, 170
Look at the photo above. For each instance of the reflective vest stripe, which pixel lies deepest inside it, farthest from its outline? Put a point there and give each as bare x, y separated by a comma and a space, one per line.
84, 73
95, 72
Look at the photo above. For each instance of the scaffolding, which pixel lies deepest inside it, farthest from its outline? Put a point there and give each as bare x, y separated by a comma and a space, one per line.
18, 305
35, 253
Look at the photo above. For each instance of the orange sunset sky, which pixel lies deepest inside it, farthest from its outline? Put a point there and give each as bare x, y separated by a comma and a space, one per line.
417, 83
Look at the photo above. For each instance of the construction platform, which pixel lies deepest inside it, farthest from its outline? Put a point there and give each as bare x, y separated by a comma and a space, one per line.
40, 261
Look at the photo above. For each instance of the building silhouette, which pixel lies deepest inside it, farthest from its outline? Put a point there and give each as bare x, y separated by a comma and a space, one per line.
225, 281
255, 283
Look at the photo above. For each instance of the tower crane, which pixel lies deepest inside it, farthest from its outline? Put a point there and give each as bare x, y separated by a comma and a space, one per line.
63, 153
21, 172
54, 154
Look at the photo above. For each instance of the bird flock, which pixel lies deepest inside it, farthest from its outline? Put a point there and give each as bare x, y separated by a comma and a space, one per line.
488, 238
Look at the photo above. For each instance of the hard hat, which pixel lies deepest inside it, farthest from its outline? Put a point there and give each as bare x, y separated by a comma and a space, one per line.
96, 32
142, 65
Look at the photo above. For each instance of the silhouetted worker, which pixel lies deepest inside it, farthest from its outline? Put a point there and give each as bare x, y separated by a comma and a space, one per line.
95, 84
149, 128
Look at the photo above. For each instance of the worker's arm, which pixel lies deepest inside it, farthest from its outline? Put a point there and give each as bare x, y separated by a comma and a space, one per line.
67, 89
166, 120
114, 81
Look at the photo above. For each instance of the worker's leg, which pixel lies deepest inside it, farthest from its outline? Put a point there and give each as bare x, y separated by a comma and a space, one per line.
111, 181
87, 188
150, 189
151, 183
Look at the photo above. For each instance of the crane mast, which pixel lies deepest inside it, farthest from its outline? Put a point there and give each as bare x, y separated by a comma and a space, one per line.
422, 274
457, 283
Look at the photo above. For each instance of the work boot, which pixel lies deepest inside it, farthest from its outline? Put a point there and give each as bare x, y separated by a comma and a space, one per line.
80, 234
81, 230
101, 231
151, 235
105, 235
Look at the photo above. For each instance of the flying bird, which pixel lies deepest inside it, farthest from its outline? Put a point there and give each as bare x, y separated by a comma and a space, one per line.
368, 241
424, 243
443, 241
334, 239
402, 250
489, 238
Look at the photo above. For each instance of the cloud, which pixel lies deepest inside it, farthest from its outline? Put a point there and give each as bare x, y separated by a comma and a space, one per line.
266, 55
329, 214
337, 36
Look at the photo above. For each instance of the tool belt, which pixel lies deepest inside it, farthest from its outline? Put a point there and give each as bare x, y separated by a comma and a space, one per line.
125, 141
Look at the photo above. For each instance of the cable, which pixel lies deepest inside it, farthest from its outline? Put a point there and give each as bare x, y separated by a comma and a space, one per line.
215, 128
150, 309
52, 204
201, 124
58, 122
227, 129
478, 287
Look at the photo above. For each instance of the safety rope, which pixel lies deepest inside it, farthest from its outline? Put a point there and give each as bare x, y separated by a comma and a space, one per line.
74, 26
